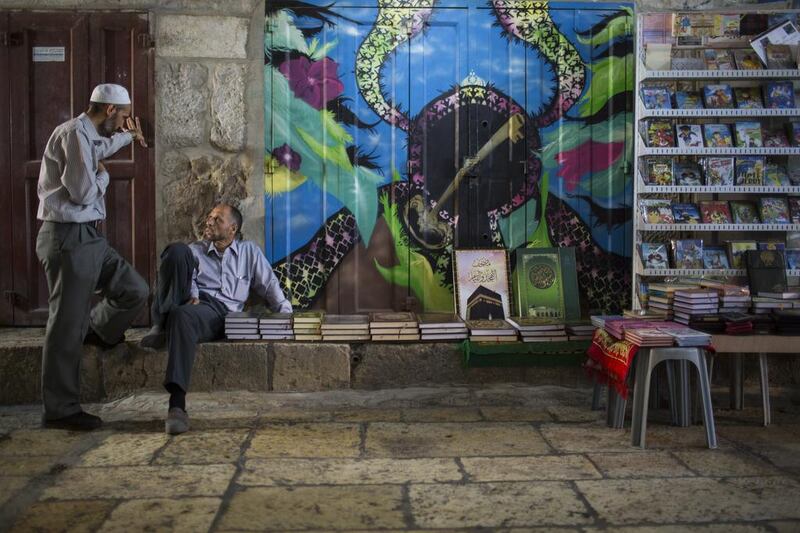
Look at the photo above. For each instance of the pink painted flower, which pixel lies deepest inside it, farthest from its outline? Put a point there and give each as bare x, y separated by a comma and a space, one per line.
287, 157
315, 82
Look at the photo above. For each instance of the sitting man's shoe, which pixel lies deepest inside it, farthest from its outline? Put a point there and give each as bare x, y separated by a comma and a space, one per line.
95, 340
81, 421
177, 421
155, 339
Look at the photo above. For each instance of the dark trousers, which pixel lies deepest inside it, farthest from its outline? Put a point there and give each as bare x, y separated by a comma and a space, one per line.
78, 262
186, 324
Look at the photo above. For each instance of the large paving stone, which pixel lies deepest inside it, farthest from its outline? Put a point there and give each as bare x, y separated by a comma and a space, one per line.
515, 414
20, 374
453, 439
285, 508
204, 447
348, 471
28, 466
10, 486
127, 482
717, 463
777, 444
306, 440
492, 505
197, 36
189, 515
228, 120
541, 467
182, 97
78, 516
306, 367
637, 464
53, 442
125, 449
442, 414
399, 365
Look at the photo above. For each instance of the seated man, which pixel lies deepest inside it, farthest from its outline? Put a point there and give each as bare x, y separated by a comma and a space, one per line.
198, 284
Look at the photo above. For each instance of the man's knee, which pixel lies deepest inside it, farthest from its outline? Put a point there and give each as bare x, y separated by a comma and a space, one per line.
177, 251
180, 317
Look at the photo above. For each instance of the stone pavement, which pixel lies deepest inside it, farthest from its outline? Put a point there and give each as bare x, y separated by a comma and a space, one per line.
503, 457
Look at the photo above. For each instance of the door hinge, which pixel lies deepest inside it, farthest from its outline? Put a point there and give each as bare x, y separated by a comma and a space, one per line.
145, 40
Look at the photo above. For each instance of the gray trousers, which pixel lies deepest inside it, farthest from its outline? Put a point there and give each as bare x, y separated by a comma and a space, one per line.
78, 262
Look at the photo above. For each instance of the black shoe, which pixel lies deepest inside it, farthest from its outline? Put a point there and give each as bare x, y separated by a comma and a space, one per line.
94, 339
155, 339
81, 421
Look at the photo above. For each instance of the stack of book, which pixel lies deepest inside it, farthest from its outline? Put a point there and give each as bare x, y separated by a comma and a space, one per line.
533, 329
307, 325
441, 326
649, 337
737, 323
345, 328
394, 326
787, 322
491, 330
767, 302
688, 337
242, 326
276, 326
580, 331
696, 305
599, 321
734, 303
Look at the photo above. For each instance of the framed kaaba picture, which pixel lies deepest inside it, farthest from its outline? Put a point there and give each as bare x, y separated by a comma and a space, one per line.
545, 283
482, 284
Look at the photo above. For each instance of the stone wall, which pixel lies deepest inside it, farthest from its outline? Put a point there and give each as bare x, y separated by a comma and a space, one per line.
209, 138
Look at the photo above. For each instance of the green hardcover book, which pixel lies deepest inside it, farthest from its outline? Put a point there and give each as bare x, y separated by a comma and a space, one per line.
545, 283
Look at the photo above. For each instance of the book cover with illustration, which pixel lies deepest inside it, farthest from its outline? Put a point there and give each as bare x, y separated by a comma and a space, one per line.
687, 173
715, 212
748, 98
774, 210
766, 271
685, 213
718, 59
794, 133
779, 95
656, 210
774, 136
718, 96
726, 26
688, 100
654, 255
748, 134
689, 135
744, 212
546, 283
660, 134
656, 98
736, 251
715, 257
771, 245
775, 175
688, 253
659, 171
794, 209
747, 60
482, 284
779, 56
792, 258
719, 170
750, 170
717, 135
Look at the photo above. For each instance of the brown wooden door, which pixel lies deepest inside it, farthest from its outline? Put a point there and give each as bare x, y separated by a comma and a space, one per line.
6, 268
42, 94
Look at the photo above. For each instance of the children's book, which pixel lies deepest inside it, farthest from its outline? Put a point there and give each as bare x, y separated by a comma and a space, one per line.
792, 258
747, 60
688, 100
659, 171
660, 134
719, 170
779, 95
779, 56
775, 175
715, 212
689, 135
750, 170
744, 212
681, 25
654, 255
748, 98
726, 26
774, 210
794, 134
685, 214
718, 96
774, 137
736, 251
794, 209
656, 210
656, 98
715, 257
717, 135
688, 253
772, 245
718, 59
748, 134
687, 173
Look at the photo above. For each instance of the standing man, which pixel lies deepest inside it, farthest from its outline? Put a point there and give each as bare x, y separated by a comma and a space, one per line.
76, 257
198, 284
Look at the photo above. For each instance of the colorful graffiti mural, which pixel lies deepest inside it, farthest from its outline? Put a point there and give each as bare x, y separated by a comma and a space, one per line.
397, 130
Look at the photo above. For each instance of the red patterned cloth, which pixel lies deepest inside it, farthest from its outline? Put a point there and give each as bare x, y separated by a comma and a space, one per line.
609, 360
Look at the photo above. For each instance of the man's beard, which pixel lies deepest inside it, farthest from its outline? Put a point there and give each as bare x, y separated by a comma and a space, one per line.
107, 127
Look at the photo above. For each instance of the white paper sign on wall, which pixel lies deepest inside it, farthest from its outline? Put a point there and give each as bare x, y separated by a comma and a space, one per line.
48, 54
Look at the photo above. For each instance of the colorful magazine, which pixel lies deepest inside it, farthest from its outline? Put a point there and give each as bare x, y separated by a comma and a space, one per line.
774, 137
718, 96
774, 210
656, 98
794, 209
656, 210
750, 170
748, 134
747, 60
689, 135
688, 253
717, 135
654, 255
748, 98
744, 212
659, 171
687, 173
775, 175
792, 258
736, 251
685, 214
688, 100
779, 95
660, 134
715, 212
715, 257
719, 170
